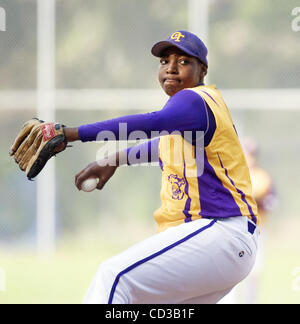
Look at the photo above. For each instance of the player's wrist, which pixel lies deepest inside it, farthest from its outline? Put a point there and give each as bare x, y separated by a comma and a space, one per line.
71, 134
121, 158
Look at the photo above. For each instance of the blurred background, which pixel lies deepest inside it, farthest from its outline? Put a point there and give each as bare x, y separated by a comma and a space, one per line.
78, 62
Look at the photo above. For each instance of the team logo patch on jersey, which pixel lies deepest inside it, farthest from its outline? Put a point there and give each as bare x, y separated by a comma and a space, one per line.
177, 184
177, 36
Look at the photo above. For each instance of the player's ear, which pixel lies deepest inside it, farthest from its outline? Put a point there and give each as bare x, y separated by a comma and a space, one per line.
203, 71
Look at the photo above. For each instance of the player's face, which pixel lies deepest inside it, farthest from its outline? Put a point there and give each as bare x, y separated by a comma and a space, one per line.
178, 71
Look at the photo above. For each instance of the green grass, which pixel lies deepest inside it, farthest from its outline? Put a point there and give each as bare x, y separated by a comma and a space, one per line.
66, 277
278, 279
63, 278
60, 279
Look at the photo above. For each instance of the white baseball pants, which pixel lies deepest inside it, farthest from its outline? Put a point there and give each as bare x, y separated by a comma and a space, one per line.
193, 263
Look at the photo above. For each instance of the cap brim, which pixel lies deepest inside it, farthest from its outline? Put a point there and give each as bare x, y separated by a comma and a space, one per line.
159, 47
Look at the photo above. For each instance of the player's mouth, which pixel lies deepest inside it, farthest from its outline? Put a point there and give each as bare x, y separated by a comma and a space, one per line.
171, 85
172, 81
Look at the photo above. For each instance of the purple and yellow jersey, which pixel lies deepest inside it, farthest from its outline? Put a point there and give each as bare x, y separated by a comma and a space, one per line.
221, 189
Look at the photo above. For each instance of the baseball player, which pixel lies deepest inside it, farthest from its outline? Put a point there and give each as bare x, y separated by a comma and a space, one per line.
207, 223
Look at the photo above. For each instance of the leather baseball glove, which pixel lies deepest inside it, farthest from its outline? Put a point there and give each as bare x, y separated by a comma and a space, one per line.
36, 143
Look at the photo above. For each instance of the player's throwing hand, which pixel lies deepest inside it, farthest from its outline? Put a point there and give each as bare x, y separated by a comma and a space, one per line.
95, 170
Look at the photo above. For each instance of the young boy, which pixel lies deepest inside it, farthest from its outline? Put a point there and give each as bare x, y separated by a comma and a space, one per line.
207, 237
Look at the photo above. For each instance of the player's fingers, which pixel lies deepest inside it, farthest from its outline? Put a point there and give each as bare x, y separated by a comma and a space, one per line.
91, 171
106, 173
77, 177
100, 184
80, 177
78, 174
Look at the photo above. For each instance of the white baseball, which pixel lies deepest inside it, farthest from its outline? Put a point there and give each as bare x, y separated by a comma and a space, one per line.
89, 184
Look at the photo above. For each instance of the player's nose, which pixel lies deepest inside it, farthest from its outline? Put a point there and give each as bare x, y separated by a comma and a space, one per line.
172, 67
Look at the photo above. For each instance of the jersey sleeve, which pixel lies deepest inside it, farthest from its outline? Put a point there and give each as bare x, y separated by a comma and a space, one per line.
147, 152
185, 111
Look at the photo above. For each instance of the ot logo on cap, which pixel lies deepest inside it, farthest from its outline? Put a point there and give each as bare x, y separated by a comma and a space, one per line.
177, 36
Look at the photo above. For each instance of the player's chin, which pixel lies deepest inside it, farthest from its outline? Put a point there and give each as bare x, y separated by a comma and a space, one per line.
172, 88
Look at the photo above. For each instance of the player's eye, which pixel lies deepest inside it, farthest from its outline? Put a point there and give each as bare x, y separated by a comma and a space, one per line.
184, 61
163, 61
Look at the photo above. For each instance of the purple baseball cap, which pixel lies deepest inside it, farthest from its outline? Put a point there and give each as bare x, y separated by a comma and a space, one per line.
186, 41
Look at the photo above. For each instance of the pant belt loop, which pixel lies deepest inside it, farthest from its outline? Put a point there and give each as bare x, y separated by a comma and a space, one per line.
251, 227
